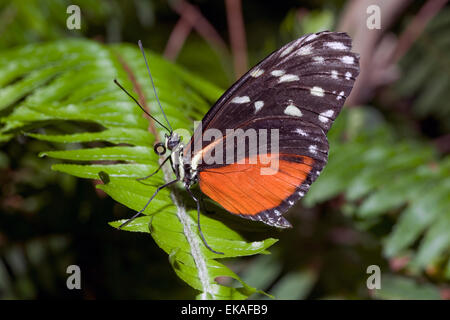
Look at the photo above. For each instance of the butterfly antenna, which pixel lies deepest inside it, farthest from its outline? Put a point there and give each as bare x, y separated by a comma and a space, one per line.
134, 99
153, 85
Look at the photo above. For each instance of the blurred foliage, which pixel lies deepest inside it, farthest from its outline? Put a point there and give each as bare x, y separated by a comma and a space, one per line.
37, 20
425, 85
382, 199
379, 176
314, 21
396, 287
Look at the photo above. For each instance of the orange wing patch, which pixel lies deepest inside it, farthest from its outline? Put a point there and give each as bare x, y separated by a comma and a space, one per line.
241, 189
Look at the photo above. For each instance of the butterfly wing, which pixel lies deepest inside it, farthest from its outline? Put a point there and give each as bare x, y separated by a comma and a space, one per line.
299, 90
261, 185
316, 72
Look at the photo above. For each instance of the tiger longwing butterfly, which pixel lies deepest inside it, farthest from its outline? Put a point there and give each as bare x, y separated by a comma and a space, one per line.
297, 90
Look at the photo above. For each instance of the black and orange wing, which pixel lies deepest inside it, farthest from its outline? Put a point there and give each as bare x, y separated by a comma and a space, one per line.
299, 90
258, 189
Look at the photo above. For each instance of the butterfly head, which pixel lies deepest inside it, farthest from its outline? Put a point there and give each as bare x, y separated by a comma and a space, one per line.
170, 143
172, 140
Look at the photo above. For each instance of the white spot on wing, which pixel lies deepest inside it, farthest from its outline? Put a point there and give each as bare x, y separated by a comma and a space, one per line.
277, 73
348, 59
287, 50
318, 59
328, 113
301, 132
257, 72
317, 91
292, 110
291, 202
335, 45
259, 105
348, 75
243, 99
288, 77
311, 37
313, 149
305, 50
301, 194
324, 116
334, 74
340, 96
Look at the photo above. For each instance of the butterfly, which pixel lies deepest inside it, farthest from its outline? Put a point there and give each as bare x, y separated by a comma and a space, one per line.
296, 93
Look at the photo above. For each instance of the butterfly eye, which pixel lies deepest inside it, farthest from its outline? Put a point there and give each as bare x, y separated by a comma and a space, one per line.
173, 142
159, 148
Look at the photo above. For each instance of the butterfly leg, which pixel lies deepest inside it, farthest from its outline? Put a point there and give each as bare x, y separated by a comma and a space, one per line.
202, 200
198, 221
148, 202
157, 170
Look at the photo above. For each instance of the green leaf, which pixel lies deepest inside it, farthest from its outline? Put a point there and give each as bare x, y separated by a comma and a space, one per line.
295, 285
135, 154
262, 271
135, 137
435, 243
414, 220
401, 288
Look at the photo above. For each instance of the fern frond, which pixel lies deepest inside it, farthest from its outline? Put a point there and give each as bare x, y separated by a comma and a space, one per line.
44, 86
